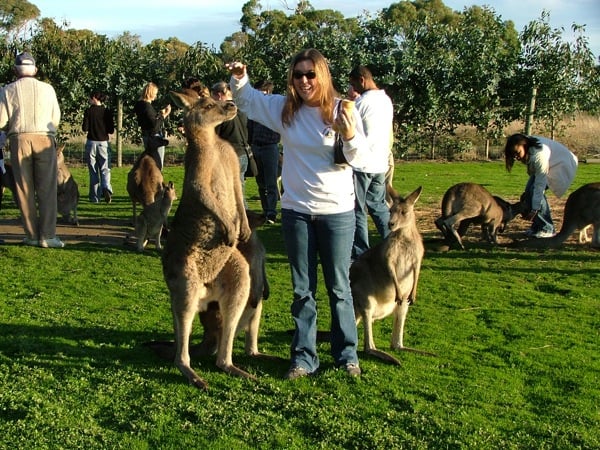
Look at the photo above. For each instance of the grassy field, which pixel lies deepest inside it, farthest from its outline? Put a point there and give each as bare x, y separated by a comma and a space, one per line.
515, 332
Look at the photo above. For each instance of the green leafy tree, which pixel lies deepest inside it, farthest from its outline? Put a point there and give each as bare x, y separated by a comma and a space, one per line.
15, 15
486, 50
562, 72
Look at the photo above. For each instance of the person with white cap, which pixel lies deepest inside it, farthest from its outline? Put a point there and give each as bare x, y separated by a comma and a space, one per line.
29, 113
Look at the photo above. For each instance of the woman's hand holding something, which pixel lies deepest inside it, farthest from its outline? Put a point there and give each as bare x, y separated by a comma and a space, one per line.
345, 125
237, 69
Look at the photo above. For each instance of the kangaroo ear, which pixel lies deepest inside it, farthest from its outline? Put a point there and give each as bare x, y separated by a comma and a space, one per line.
389, 189
182, 100
414, 196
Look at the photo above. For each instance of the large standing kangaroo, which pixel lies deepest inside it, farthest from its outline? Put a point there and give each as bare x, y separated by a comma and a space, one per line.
384, 278
201, 262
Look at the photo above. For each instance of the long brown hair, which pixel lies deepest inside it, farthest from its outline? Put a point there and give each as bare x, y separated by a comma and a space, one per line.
511, 144
326, 91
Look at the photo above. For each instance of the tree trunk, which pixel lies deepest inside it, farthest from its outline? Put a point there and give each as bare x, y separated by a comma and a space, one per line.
529, 121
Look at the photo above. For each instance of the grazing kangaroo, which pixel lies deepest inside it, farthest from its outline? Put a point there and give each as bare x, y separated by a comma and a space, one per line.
201, 261
154, 217
145, 180
467, 203
67, 191
582, 210
384, 278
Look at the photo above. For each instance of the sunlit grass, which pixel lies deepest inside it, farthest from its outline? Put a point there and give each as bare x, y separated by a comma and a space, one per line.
516, 336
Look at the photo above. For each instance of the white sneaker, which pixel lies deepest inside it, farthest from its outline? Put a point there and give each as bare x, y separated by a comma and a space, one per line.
31, 242
543, 235
52, 243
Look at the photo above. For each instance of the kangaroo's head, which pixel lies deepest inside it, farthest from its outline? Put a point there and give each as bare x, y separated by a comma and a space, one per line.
402, 212
202, 112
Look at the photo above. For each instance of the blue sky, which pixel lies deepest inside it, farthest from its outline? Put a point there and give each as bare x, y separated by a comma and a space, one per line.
210, 21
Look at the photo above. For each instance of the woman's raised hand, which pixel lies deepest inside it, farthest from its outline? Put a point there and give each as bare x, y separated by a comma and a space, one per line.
237, 69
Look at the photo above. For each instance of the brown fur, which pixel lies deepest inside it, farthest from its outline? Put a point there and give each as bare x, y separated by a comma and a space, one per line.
67, 191
384, 279
254, 252
582, 210
7, 181
467, 203
154, 217
145, 180
201, 262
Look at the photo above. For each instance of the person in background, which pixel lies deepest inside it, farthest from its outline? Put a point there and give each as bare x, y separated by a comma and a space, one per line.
265, 147
235, 131
98, 122
30, 114
377, 113
549, 165
192, 84
150, 121
317, 205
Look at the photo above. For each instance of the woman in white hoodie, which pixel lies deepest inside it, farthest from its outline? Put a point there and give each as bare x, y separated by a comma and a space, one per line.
317, 206
550, 165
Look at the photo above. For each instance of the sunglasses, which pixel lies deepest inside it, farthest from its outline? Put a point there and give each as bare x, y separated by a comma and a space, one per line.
309, 75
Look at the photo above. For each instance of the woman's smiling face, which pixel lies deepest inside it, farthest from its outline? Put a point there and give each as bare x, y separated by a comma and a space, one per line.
305, 82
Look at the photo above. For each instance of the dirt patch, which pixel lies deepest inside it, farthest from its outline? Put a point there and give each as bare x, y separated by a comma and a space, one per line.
115, 232
111, 232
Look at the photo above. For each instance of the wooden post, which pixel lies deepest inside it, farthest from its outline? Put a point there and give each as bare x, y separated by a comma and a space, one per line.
529, 121
119, 132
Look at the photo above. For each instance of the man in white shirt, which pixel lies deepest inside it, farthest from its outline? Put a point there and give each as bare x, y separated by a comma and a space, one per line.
377, 112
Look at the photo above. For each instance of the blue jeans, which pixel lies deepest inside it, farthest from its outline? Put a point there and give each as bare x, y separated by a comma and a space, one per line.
543, 219
267, 162
328, 237
370, 196
97, 157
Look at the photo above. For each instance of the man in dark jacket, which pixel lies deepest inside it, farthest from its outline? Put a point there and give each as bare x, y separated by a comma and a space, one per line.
98, 122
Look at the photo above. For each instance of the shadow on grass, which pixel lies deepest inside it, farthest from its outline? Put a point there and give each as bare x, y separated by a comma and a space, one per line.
63, 349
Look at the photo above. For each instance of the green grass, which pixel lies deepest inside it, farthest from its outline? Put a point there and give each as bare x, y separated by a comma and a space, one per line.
516, 334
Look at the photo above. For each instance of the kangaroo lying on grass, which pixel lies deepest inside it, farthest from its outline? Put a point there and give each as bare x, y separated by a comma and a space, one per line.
201, 261
67, 191
384, 278
145, 180
467, 203
254, 252
582, 210
154, 217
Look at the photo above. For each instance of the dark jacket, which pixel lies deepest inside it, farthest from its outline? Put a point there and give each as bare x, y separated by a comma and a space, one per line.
235, 131
98, 122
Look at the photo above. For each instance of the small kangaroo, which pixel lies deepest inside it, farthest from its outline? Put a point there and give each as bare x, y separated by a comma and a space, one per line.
201, 261
67, 192
384, 278
154, 217
145, 180
582, 210
467, 203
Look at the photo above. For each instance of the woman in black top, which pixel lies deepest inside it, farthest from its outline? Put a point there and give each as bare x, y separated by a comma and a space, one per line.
150, 121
